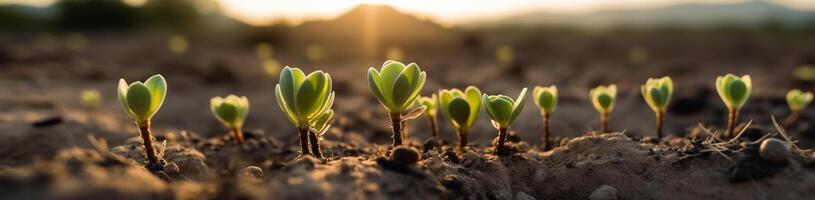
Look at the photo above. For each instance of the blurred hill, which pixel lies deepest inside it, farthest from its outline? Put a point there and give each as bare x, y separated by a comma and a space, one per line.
691, 15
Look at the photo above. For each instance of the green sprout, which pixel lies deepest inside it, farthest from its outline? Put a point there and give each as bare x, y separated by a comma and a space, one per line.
503, 110
734, 92
657, 94
462, 109
396, 87
90, 99
546, 99
306, 101
141, 101
602, 97
231, 111
431, 111
797, 100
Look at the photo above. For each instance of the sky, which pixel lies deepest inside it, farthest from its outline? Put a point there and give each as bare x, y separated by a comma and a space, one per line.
260, 12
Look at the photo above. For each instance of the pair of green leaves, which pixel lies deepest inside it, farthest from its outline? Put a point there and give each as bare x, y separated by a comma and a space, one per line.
502, 109
231, 111
657, 93
734, 90
142, 100
397, 85
545, 98
603, 97
798, 100
461, 107
306, 100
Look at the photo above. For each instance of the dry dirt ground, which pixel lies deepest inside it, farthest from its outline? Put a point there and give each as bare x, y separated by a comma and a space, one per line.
46, 153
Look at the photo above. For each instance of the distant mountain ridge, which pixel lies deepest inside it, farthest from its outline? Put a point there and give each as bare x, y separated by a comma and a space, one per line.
689, 15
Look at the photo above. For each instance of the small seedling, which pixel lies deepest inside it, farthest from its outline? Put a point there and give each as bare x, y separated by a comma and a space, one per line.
734, 92
546, 99
141, 101
462, 109
797, 101
431, 111
396, 87
657, 94
231, 111
603, 97
503, 110
306, 101
91, 99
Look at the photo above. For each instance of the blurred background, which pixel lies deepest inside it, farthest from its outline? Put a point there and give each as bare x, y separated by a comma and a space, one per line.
54, 55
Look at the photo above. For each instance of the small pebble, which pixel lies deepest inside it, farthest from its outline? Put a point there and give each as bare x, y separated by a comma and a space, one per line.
171, 168
775, 151
253, 171
405, 155
605, 192
523, 196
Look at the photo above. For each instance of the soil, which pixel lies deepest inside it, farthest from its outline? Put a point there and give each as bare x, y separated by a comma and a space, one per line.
47, 152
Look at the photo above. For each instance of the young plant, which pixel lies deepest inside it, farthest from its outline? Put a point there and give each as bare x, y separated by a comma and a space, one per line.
91, 99
231, 111
734, 92
141, 101
306, 101
657, 93
462, 109
797, 100
546, 99
396, 87
503, 110
431, 111
603, 97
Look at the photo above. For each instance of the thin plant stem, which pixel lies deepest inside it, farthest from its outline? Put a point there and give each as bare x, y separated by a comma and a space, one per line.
154, 163
731, 122
547, 143
433, 128
604, 118
304, 141
315, 144
462, 139
238, 134
396, 125
660, 115
502, 137
791, 119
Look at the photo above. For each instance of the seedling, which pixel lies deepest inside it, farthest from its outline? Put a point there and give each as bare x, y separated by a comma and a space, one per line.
462, 109
231, 111
546, 99
797, 101
734, 92
431, 111
141, 101
306, 101
603, 97
91, 99
503, 110
657, 94
396, 87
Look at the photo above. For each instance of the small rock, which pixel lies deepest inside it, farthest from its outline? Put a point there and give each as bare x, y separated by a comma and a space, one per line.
253, 171
48, 121
171, 168
405, 155
605, 192
775, 151
523, 196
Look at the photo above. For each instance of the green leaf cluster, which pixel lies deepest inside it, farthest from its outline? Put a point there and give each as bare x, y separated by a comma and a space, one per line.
461, 108
603, 97
502, 109
545, 98
306, 100
396, 86
734, 90
798, 100
142, 100
231, 111
657, 93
